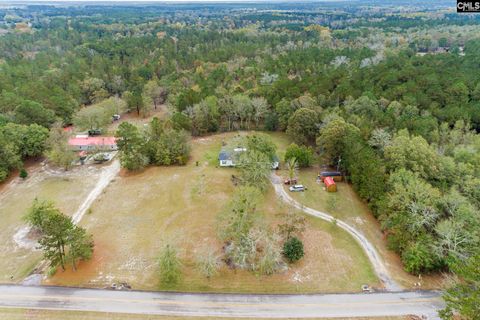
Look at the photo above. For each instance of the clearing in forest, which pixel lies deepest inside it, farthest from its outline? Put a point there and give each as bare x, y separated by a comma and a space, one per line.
138, 212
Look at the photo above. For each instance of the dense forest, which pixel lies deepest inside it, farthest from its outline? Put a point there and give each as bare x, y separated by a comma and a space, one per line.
390, 93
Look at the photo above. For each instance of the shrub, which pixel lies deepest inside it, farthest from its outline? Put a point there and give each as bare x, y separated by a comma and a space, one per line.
51, 271
293, 249
23, 173
418, 258
303, 154
170, 272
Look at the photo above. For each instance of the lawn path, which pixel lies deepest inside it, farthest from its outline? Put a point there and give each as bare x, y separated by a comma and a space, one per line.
108, 174
367, 246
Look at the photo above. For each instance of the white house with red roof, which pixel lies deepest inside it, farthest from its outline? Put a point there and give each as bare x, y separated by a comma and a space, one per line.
87, 143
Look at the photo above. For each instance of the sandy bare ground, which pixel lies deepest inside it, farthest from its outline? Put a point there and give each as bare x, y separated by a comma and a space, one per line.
96, 179
140, 211
377, 262
22, 236
106, 176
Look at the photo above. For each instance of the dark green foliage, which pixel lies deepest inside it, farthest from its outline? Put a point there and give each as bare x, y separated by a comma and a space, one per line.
303, 155
303, 126
80, 246
23, 173
19, 142
293, 249
170, 272
181, 121
29, 112
204, 116
160, 145
255, 169
132, 147
61, 240
170, 148
262, 144
271, 121
30, 140
418, 258
463, 296
9, 156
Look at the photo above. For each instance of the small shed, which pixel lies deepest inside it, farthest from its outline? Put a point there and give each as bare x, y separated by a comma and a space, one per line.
330, 184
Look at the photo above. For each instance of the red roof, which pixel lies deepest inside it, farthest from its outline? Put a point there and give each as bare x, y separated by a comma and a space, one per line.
89, 141
328, 182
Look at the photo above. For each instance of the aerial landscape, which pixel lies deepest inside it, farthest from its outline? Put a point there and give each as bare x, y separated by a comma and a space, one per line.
242, 159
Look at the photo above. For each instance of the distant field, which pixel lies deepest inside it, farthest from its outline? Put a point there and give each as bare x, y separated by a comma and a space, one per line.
24, 314
347, 206
138, 212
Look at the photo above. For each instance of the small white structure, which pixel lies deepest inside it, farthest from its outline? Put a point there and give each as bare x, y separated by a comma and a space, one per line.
227, 158
275, 163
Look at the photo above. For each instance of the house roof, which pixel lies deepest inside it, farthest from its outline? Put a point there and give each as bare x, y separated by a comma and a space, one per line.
89, 141
224, 155
329, 182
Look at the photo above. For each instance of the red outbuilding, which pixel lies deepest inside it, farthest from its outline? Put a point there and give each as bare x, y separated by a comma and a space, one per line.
330, 184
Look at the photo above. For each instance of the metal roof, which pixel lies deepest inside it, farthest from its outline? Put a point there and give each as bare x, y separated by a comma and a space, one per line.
329, 182
224, 155
89, 141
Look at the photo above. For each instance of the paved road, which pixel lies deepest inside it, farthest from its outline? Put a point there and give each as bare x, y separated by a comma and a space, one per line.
367, 246
222, 305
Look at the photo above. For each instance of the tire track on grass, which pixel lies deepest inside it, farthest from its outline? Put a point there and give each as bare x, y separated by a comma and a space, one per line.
372, 254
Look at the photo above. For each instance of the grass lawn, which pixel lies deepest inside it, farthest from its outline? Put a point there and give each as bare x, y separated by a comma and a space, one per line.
139, 212
26, 314
67, 190
347, 206
136, 119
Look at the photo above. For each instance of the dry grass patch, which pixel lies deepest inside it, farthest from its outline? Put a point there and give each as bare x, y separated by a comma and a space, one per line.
67, 189
350, 208
27, 314
139, 212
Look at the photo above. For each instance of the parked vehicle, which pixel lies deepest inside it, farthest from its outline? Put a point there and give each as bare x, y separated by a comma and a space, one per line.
94, 132
366, 288
290, 181
297, 188
116, 117
101, 157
